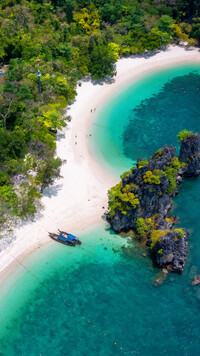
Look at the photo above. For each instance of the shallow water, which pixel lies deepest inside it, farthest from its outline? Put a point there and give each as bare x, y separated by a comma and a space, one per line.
100, 298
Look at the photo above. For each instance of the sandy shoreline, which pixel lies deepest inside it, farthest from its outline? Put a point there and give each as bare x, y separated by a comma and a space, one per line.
76, 200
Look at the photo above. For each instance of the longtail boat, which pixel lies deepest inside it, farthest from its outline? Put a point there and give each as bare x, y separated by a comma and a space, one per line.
62, 239
70, 236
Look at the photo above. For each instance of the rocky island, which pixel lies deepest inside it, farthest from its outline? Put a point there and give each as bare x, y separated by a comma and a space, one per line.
142, 200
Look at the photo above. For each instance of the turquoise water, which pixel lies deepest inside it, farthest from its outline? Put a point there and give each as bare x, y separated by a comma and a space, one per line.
100, 298
145, 114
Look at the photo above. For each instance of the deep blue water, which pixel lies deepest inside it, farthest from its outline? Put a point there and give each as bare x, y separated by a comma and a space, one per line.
160, 118
100, 299
144, 115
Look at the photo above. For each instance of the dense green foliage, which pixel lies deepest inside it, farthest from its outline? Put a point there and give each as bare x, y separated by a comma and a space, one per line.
122, 198
152, 177
148, 229
179, 232
184, 134
171, 173
144, 226
124, 195
71, 39
142, 163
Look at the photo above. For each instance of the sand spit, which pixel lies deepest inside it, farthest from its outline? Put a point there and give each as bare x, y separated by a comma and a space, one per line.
76, 200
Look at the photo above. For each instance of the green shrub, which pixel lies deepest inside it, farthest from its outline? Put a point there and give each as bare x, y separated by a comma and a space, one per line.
156, 236
28, 195
142, 163
122, 199
158, 153
145, 226
151, 178
184, 134
141, 227
24, 92
179, 232
9, 202
4, 178
171, 173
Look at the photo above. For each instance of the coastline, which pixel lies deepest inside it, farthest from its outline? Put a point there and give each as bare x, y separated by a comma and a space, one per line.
76, 200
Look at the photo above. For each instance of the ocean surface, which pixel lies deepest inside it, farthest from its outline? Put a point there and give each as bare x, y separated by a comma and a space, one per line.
99, 299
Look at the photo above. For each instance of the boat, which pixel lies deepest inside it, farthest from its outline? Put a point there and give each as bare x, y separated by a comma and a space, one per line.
62, 239
70, 236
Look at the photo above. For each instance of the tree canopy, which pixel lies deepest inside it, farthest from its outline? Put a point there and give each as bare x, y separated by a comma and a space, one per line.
71, 39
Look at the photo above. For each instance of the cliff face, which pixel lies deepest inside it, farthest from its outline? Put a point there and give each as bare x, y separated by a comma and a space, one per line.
142, 200
172, 250
148, 181
190, 154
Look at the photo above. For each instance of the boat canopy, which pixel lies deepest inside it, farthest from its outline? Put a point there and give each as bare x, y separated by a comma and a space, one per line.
62, 238
72, 237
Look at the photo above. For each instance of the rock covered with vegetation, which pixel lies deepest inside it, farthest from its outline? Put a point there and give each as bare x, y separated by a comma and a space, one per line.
189, 153
143, 198
172, 249
145, 191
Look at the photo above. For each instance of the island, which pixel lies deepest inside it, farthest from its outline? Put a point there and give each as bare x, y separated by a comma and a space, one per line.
142, 201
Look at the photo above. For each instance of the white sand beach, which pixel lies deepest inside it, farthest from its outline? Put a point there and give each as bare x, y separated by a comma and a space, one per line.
76, 200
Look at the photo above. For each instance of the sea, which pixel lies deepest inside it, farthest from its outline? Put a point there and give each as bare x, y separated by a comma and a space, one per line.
100, 299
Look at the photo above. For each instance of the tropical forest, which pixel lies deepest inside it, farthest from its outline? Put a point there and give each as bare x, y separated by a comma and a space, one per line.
46, 48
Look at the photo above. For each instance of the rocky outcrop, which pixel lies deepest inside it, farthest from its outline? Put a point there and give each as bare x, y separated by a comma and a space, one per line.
172, 250
143, 199
196, 280
190, 154
151, 189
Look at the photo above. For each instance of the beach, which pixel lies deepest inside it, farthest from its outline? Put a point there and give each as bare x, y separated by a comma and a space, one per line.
79, 198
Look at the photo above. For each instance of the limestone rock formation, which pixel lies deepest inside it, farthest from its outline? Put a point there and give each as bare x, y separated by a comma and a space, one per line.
190, 154
143, 199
